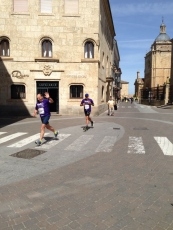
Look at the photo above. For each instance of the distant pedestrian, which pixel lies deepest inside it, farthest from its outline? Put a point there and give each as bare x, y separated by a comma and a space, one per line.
111, 103
131, 100
43, 108
87, 103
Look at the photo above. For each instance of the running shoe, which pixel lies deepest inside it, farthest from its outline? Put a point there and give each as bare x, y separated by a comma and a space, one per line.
38, 142
85, 128
56, 134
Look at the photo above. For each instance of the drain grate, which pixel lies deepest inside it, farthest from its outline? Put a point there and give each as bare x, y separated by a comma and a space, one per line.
117, 128
140, 128
28, 153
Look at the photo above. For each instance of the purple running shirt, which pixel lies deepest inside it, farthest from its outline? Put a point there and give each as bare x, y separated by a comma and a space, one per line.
43, 107
87, 102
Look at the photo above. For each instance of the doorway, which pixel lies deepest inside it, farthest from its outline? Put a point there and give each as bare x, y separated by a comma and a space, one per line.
52, 88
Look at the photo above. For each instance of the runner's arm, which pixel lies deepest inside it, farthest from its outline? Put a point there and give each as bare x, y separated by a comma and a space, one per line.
51, 100
35, 112
48, 97
82, 103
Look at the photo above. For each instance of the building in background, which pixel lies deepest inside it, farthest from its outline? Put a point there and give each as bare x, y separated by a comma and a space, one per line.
124, 89
139, 84
63, 47
158, 60
157, 70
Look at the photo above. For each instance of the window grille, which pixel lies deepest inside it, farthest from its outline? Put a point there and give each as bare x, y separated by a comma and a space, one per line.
76, 91
18, 92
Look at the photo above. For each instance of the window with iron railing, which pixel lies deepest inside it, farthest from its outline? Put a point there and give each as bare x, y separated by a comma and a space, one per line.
76, 91
18, 92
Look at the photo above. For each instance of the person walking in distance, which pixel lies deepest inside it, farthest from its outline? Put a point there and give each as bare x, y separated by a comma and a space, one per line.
87, 103
43, 108
111, 104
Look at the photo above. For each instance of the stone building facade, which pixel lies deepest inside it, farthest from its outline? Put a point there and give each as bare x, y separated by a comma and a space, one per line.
124, 89
64, 47
158, 60
117, 72
139, 84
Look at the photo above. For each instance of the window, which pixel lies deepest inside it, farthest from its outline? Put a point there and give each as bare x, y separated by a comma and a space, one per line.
71, 6
4, 48
89, 50
76, 91
46, 48
18, 92
20, 5
46, 6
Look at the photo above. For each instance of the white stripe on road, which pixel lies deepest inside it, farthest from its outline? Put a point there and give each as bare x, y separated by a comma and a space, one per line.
79, 143
26, 141
136, 146
2, 133
129, 107
10, 137
50, 144
165, 145
107, 144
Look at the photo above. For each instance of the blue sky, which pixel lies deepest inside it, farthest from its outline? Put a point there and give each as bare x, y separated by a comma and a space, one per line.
137, 24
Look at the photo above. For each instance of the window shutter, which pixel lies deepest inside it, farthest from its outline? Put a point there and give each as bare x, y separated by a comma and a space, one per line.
20, 5
46, 6
71, 6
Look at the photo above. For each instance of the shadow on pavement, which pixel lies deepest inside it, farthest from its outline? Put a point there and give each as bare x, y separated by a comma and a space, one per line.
12, 92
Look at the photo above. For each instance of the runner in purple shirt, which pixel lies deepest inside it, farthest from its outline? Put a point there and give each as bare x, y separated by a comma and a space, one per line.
87, 103
43, 108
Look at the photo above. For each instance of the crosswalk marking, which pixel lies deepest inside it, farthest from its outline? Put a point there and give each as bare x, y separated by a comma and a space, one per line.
136, 146
26, 141
79, 143
107, 144
52, 143
165, 145
2, 133
10, 137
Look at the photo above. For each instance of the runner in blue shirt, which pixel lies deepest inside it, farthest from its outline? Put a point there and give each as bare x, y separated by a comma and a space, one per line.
87, 103
43, 108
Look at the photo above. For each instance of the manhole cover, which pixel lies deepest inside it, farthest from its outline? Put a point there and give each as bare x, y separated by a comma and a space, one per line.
140, 128
28, 153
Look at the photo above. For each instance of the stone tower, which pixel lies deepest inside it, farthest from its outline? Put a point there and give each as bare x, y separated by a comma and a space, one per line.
158, 60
